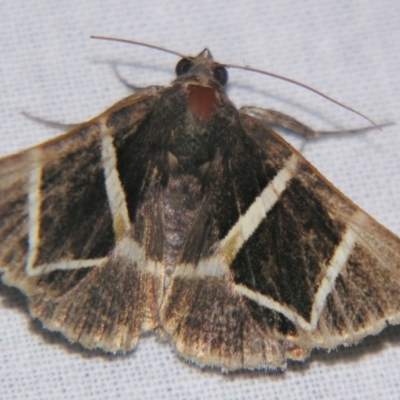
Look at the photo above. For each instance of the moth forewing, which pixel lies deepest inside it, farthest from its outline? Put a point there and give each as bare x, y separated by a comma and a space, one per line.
174, 211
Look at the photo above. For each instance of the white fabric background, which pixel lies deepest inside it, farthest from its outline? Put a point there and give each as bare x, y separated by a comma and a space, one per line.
50, 68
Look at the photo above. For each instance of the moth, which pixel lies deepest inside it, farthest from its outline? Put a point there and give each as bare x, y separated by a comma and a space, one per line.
177, 213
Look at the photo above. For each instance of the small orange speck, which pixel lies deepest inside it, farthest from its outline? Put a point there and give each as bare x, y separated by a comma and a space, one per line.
202, 101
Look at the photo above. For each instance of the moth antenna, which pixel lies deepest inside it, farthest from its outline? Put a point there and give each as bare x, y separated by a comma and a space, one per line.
284, 78
151, 46
245, 68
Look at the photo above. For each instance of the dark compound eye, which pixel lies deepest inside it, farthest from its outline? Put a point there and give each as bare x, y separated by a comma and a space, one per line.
183, 66
221, 75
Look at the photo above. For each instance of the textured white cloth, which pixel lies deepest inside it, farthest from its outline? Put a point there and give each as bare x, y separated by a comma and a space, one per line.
50, 68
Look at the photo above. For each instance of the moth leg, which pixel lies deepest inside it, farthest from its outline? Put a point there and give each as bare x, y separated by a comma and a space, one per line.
282, 120
49, 124
134, 88
295, 126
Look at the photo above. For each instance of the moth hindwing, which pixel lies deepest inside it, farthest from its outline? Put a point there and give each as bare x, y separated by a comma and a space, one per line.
174, 211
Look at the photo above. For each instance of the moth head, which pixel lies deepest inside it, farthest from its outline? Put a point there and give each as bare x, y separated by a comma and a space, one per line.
203, 64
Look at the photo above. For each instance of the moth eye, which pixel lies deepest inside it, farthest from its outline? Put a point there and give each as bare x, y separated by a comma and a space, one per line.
221, 75
183, 66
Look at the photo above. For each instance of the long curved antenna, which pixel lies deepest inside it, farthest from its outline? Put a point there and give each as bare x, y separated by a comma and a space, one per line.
245, 68
151, 46
284, 78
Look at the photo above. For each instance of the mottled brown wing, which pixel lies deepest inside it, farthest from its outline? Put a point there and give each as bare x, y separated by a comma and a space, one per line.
68, 239
302, 267
165, 212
